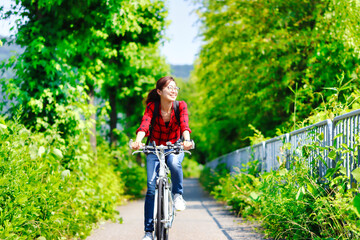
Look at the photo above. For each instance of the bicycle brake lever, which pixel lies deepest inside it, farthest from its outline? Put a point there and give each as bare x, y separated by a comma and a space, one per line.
185, 151
136, 152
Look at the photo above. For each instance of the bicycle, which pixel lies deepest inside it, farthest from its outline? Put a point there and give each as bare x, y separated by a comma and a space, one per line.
164, 210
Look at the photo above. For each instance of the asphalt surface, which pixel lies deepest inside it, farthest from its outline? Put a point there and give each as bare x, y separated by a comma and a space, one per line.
204, 219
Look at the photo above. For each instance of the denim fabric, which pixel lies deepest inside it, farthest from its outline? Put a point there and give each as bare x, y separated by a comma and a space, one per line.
174, 163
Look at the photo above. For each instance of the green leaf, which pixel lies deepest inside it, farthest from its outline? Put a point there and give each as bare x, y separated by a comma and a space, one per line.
57, 153
254, 195
338, 135
41, 151
332, 155
344, 146
342, 170
65, 173
356, 203
22, 200
329, 173
321, 136
310, 188
283, 172
356, 174
300, 193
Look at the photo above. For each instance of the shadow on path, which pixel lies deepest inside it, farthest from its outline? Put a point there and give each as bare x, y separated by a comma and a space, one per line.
204, 219
231, 227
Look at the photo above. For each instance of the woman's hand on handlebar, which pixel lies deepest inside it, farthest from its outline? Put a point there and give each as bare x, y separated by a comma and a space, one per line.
187, 145
136, 145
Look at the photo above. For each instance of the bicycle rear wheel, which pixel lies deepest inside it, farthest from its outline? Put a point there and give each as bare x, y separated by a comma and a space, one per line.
161, 232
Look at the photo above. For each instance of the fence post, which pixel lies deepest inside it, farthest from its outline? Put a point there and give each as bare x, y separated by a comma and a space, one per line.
358, 132
264, 157
287, 151
330, 141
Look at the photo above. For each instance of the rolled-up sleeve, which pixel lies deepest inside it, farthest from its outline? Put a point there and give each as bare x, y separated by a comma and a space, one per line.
184, 117
146, 120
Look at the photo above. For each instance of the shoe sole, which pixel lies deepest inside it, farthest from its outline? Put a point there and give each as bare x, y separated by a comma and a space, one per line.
179, 210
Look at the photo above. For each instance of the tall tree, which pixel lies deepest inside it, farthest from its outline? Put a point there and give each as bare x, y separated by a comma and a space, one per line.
127, 98
255, 54
137, 63
74, 48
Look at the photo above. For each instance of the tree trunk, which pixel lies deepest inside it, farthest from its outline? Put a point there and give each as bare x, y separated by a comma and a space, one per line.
113, 115
91, 94
129, 112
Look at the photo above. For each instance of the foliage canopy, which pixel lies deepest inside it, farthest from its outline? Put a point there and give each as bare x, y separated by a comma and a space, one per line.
268, 64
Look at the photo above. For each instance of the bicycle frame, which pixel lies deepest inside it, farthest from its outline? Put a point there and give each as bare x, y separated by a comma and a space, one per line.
164, 217
169, 211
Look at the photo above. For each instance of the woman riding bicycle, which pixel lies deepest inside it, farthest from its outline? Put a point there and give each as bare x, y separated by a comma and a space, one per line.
166, 128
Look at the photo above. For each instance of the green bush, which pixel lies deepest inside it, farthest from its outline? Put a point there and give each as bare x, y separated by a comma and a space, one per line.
284, 213
191, 168
293, 204
209, 178
240, 191
134, 177
52, 188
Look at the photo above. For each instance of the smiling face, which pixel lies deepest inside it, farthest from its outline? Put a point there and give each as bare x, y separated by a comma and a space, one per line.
169, 92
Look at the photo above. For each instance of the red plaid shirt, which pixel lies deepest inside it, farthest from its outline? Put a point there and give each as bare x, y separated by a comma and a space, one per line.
160, 133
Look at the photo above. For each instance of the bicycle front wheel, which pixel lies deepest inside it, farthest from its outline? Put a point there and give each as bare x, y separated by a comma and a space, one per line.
161, 232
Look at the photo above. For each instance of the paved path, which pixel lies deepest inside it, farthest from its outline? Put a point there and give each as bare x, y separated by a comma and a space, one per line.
204, 219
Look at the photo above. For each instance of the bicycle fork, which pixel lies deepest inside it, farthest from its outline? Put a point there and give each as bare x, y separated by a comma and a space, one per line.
168, 205
167, 209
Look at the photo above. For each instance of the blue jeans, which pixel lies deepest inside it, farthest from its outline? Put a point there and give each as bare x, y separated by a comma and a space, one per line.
174, 163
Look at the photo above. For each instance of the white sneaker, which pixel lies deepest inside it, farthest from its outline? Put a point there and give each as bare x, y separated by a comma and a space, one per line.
179, 202
148, 236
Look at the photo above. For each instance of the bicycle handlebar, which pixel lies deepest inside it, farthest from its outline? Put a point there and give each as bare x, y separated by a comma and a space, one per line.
169, 146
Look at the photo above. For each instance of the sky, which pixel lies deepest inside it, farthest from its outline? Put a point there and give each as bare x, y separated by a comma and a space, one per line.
5, 25
183, 44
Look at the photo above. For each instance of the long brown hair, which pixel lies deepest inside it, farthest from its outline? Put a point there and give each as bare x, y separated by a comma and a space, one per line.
160, 84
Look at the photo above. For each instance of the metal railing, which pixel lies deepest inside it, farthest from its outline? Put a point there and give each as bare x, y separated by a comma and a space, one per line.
342, 132
346, 135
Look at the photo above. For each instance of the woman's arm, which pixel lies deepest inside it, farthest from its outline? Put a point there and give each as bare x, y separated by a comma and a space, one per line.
139, 137
184, 126
143, 130
146, 119
184, 118
186, 135
187, 142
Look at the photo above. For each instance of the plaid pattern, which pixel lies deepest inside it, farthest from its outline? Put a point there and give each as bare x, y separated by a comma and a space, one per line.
160, 133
